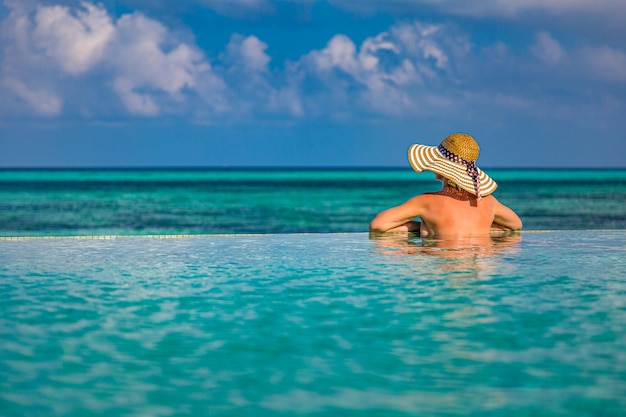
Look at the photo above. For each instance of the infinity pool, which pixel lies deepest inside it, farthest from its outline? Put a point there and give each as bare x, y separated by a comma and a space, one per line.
314, 324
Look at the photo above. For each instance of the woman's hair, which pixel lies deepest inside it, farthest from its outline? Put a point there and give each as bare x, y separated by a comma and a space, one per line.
452, 184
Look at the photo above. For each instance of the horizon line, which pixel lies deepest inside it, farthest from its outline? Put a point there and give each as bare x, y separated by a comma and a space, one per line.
276, 168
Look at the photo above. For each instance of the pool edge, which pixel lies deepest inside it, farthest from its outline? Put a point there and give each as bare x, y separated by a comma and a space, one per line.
200, 235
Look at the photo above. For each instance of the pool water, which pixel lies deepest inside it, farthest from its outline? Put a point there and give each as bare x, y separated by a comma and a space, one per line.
314, 324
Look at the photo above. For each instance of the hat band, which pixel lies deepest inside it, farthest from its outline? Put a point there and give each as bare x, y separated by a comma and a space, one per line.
470, 167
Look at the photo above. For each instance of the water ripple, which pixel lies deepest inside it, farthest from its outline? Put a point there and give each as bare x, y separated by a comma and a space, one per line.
313, 325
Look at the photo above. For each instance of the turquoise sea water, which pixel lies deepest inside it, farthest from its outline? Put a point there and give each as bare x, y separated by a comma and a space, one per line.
129, 202
314, 325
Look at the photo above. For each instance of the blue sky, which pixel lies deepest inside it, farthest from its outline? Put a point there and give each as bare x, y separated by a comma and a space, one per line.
310, 83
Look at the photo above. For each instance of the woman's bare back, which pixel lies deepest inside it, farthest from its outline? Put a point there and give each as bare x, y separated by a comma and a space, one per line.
452, 212
449, 212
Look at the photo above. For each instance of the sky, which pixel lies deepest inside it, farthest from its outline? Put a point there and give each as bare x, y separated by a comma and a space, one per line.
303, 83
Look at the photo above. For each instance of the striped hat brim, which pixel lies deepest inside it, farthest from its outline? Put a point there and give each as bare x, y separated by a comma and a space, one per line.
428, 158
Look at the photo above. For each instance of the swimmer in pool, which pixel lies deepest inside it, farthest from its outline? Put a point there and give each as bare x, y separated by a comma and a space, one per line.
463, 207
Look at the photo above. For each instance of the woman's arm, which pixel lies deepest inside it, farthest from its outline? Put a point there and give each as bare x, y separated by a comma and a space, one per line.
398, 219
505, 218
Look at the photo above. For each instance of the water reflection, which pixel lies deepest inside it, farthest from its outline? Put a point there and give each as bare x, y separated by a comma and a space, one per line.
472, 255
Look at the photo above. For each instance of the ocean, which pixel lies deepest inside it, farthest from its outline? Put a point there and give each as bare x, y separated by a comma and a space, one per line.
241, 201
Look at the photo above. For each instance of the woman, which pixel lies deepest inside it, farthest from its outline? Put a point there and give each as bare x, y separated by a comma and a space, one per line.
464, 206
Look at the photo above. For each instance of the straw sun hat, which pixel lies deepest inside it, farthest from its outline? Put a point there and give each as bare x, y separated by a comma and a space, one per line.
454, 159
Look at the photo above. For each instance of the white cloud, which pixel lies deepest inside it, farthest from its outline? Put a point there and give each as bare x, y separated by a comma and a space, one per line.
141, 63
395, 56
44, 102
547, 49
418, 40
605, 63
602, 22
339, 52
387, 72
585, 62
368, 57
248, 52
136, 58
75, 41
255, 88
424, 69
81, 61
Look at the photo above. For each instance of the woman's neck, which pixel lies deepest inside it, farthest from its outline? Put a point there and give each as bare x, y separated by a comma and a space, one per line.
455, 192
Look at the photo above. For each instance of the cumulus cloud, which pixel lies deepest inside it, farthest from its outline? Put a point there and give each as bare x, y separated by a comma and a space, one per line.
419, 41
343, 66
255, 88
601, 63
141, 64
83, 61
44, 102
391, 72
249, 52
602, 21
605, 63
547, 49
135, 58
76, 41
